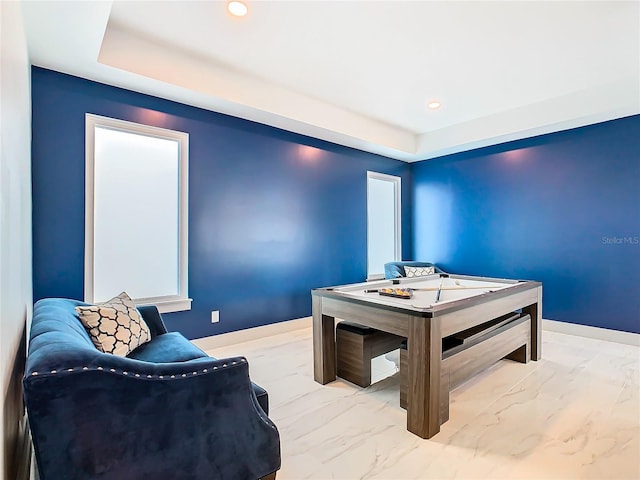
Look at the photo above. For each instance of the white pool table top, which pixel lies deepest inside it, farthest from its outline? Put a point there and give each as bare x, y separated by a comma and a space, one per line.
455, 290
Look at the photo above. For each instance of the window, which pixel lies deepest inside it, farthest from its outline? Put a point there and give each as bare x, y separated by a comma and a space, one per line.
136, 213
383, 223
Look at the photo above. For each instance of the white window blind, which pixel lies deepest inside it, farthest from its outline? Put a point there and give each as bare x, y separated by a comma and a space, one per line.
383, 222
136, 213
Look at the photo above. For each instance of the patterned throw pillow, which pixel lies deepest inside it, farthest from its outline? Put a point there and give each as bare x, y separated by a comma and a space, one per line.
419, 271
115, 326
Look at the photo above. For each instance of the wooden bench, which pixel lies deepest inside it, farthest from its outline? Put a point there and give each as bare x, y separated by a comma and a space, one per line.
467, 353
464, 354
356, 345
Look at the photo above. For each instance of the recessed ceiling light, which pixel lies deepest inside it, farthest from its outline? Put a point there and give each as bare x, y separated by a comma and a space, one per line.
239, 9
434, 105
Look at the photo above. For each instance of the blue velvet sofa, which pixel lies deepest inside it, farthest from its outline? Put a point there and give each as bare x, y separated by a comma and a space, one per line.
167, 411
396, 269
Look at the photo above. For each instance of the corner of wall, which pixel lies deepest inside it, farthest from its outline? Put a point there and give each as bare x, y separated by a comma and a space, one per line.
15, 237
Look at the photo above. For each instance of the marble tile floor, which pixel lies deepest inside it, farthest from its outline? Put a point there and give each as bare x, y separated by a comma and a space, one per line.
575, 414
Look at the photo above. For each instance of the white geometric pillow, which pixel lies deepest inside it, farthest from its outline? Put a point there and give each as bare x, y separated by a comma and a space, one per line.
418, 271
115, 326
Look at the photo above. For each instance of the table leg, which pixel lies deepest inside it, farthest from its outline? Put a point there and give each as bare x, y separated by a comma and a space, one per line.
424, 350
535, 311
324, 344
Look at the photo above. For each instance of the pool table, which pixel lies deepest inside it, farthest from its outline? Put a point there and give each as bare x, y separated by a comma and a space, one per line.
433, 307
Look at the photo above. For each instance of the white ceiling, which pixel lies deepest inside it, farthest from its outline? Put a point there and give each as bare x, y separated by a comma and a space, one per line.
360, 73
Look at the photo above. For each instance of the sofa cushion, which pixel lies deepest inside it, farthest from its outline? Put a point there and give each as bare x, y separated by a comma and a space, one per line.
418, 271
167, 348
115, 326
397, 269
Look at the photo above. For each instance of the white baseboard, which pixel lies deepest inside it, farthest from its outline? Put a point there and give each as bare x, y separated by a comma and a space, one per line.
231, 338
240, 336
592, 332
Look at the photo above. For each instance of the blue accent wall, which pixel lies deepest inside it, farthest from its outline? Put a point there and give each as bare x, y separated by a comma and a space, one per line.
272, 214
562, 208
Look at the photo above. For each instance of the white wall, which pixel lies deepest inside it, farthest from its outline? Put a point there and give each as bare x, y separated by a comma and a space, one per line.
15, 196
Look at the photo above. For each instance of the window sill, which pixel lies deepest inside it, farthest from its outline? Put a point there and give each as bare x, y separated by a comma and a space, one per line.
166, 304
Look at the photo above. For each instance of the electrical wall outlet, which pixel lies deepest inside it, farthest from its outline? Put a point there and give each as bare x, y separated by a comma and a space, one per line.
215, 316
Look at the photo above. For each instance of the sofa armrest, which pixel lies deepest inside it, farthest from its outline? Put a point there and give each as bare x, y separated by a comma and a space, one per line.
198, 420
153, 319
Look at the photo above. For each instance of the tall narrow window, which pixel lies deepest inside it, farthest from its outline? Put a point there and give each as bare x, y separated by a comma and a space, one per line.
383, 222
136, 213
